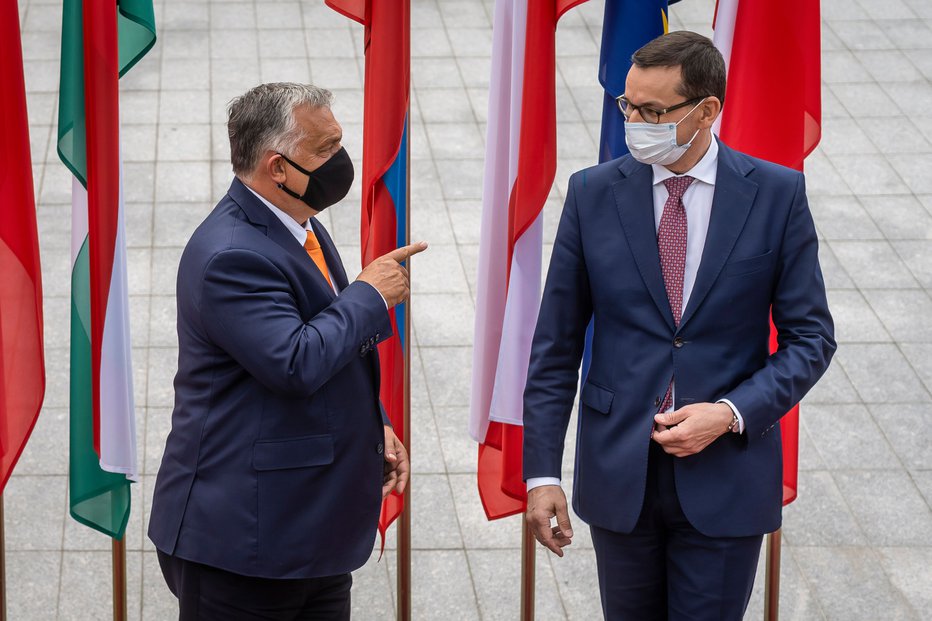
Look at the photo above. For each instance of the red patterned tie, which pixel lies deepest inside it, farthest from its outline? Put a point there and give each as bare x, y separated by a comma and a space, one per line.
671, 241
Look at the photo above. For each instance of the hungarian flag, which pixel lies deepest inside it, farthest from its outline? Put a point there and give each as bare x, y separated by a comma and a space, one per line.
100, 41
22, 366
385, 181
520, 163
768, 42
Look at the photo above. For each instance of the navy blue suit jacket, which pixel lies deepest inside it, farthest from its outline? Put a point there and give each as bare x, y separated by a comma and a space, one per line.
273, 466
761, 252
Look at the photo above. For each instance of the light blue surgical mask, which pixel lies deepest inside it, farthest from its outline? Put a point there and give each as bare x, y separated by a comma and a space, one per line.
655, 143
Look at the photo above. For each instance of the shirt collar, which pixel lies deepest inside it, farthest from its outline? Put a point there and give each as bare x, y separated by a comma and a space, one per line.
705, 169
299, 231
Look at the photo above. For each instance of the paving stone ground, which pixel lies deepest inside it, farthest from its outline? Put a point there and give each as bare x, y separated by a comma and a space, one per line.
857, 543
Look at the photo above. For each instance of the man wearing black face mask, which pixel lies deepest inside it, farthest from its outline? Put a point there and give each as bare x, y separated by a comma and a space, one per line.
279, 455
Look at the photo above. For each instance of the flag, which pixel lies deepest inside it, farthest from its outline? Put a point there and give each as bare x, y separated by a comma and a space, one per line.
100, 41
520, 164
767, 42
384, 224
626, 27
22, 365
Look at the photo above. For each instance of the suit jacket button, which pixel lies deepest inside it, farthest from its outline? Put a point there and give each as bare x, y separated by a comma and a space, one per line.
362, 350
379, 448
677, 342
657, 402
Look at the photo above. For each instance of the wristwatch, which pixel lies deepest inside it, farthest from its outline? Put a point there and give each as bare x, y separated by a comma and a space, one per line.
733, 427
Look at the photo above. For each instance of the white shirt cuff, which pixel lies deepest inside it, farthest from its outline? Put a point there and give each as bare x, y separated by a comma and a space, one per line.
384, 301
540, 481
737, 413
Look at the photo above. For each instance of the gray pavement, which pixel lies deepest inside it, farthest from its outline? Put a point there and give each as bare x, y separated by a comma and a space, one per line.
857, 543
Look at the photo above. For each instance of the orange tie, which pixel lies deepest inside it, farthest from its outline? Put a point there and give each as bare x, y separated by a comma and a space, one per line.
317, 255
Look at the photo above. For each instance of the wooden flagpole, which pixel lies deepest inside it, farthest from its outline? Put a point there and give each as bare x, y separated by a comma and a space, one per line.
772, 590
119, 579
2, 564
404, 526
528, 566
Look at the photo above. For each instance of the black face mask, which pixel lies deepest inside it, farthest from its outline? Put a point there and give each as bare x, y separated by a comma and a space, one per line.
326, 185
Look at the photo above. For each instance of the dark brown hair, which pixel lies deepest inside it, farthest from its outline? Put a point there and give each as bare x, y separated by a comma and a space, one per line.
702, 68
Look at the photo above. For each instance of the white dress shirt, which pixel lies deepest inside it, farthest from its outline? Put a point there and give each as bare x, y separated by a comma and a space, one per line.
697, 201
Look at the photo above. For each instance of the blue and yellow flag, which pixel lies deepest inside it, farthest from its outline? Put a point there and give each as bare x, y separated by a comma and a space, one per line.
627, 25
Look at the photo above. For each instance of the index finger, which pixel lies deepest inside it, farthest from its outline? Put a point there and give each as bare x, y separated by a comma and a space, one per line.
400, 254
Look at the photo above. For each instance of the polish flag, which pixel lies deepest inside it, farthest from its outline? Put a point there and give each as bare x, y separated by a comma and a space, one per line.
520, 164
773, 109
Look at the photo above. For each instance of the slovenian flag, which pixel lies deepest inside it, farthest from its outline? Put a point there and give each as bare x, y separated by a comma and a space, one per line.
520, 163
768, 42
384, 224
101, 40
22, 365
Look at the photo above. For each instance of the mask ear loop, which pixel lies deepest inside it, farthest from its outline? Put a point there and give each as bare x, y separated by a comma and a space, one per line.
281, 186
689, 142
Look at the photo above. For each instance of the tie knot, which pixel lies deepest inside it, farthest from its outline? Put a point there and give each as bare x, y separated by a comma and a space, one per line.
311, 242
677, 186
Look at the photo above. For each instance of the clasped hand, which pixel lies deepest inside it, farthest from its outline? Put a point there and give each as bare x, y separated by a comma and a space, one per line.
691, 428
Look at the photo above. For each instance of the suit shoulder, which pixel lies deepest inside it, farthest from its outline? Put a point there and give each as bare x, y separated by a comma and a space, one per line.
224, 228
767, 169
598, 174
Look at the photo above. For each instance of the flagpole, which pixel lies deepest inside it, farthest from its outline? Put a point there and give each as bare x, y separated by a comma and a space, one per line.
2, 564
772, 591
404, 527
119, 579
528, 563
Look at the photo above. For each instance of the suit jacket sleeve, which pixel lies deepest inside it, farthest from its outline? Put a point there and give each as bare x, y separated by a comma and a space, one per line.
805, 331
557, 348
248, 308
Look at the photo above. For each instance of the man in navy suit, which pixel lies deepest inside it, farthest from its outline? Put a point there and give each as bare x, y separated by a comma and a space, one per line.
678, 252
279, 455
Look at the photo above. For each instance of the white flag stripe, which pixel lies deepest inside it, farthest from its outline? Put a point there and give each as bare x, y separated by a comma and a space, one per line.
518, 325
501, 165
726, 13
117, 418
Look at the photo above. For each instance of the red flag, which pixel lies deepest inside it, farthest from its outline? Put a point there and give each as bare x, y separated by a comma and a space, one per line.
521, 161
385, 180
22, 365
773, 110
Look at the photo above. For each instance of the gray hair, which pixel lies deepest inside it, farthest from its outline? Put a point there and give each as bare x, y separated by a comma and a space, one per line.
262, 119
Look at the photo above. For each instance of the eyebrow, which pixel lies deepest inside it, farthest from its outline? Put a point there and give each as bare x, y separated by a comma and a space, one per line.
332, 140
646, 104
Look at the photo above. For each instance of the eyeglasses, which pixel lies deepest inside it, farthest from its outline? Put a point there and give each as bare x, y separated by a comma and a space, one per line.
650, 115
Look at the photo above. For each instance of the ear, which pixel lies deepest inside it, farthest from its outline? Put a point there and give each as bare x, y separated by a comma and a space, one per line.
709, 111
274, 166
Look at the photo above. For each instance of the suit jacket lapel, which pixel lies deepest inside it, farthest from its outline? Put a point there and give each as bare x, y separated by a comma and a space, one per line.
334, 263
259, 215
731, 204
634, 198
